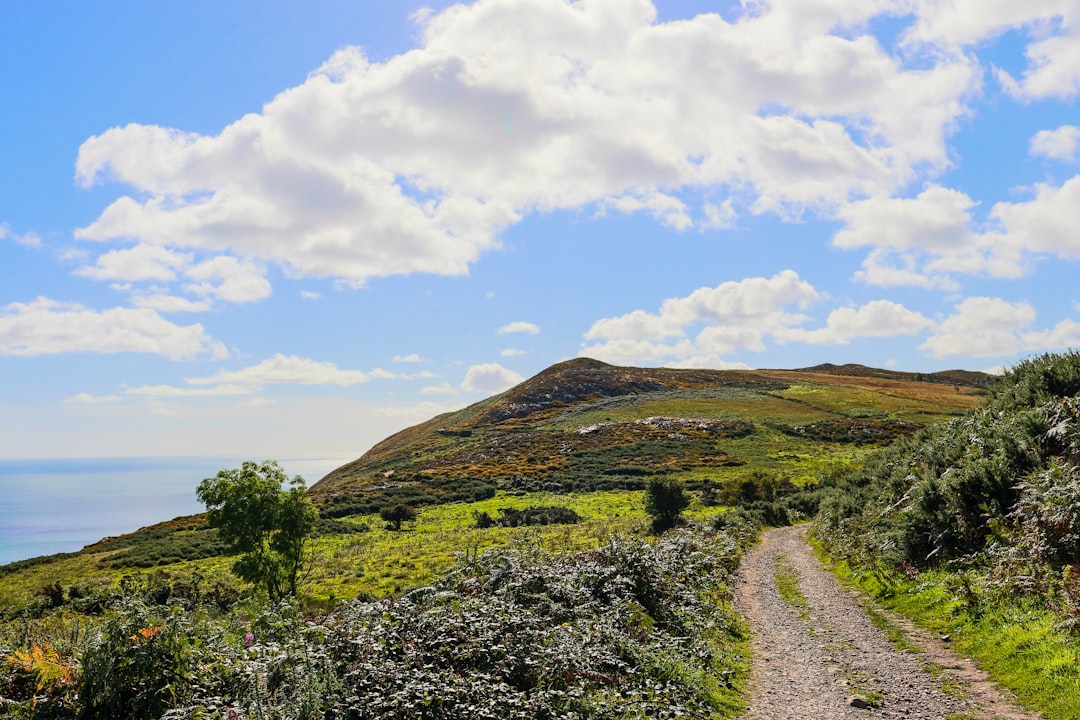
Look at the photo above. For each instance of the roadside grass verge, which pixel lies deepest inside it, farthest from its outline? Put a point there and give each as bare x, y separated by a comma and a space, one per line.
1018, 643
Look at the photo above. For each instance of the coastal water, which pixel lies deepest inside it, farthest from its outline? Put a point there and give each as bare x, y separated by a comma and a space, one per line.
61, 505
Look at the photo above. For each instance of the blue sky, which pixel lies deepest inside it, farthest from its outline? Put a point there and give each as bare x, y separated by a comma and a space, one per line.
285, 229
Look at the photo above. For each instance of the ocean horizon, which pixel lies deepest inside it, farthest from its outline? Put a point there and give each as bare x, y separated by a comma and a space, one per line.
55, 505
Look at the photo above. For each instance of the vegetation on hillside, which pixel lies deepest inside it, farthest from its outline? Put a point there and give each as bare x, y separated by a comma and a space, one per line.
584, 426
632, 629
500, 558
974, 527
271, 526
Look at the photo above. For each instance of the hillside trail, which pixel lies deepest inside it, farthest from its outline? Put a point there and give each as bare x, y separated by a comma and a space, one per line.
818, 656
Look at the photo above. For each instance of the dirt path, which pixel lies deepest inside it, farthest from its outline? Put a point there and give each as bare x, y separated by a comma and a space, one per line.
818, 656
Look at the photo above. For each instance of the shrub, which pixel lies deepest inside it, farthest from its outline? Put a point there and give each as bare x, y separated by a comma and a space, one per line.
665, 501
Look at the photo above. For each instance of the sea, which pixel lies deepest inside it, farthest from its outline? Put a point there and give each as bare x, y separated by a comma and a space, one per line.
61, 505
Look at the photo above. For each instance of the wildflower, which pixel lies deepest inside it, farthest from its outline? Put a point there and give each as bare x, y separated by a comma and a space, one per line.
146, 633
249, 639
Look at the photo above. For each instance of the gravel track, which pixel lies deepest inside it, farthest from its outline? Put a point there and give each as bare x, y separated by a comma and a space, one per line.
816, 655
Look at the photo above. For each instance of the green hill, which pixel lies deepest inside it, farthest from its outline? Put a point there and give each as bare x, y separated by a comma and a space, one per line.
584, 425
576, 429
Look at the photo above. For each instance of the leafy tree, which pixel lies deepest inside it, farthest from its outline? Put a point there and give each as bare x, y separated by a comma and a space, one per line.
270, 525
394, 515
665, 500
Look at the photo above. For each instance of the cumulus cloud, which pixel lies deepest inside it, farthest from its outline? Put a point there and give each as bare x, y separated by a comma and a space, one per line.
510, 107
703, 327
519, 326
222, 277
141, 262
993, 327
981, 327
930, 239
489, 378
1053, 50
511, 352
46, 327
880, 318
1059, 144
229, 279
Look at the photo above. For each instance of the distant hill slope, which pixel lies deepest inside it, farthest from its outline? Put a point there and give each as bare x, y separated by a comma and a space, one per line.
586, 425
968, 378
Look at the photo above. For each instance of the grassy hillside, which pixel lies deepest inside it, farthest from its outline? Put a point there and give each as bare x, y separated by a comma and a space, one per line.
577, 429
583, 425
466, 611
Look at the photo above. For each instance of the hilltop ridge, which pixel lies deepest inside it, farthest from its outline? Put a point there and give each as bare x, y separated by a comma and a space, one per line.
583, 424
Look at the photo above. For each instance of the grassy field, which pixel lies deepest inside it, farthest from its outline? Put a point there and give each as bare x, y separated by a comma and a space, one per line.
377, 562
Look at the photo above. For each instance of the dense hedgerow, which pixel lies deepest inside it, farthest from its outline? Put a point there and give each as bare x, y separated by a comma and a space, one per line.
631, 630
997, 488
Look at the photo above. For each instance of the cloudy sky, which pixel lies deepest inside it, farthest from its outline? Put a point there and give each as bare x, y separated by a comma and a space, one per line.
290, 228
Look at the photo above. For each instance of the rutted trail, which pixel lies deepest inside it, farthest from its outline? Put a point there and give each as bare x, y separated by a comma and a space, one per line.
817, 653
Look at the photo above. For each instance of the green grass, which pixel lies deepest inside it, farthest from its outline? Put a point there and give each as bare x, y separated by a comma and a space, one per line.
383, 562
787, 584
1016, 642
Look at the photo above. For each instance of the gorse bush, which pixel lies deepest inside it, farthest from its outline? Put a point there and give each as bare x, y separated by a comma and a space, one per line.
999, 486
531, 515
632, 629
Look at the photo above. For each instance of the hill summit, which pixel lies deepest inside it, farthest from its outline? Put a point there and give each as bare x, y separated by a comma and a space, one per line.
585, 425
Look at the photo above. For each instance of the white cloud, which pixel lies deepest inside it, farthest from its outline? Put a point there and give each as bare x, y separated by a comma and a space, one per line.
1053, 50
981, 327
288, 370
1063, 336
1059, 144
141, 262
45, 327
1049, 224
489, 378
510, 107
162, 302
666, 209
229, 279
935, 221
170, 391
720, 217
88, 399
929, 239
309, 295
410, 358
30, 239
732, 316
511, 352
992, 327
519, 326
880, 318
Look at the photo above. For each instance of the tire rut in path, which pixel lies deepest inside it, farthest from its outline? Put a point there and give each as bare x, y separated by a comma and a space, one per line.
813, 658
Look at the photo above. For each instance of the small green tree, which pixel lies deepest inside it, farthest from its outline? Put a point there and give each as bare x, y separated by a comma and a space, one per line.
270, 525
394, 515
665, 500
